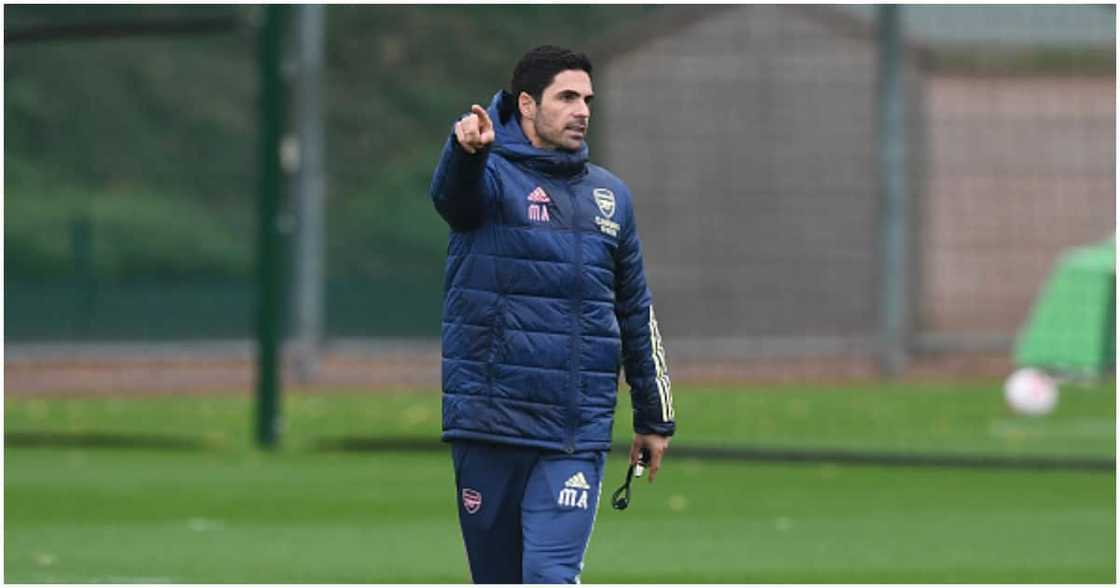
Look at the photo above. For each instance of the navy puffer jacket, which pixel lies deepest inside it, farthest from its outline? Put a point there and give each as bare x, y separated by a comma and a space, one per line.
544, 297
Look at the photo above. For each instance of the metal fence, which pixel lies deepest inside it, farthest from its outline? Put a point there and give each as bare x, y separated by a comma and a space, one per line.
131, 139
752, 137
748, 134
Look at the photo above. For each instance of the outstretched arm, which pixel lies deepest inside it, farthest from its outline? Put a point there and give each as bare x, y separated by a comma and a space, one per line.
461, 186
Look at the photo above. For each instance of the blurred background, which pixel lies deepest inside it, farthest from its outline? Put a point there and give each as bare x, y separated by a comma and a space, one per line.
865, 204
132, 176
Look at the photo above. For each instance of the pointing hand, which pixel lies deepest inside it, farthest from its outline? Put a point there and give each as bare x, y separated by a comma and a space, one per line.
475, 131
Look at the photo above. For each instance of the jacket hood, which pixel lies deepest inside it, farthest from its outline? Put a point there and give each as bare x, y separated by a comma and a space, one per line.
510, 142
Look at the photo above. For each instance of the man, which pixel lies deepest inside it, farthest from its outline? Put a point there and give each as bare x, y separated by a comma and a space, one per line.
545, 297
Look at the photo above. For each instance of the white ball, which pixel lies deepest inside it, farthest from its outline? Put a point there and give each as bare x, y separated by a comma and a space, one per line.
1031, 392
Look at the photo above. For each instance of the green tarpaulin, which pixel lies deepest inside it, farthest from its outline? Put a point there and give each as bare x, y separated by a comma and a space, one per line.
1072, 327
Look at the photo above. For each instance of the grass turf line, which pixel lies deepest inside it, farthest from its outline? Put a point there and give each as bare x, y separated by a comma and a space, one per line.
213, 517
968, 418
229, 513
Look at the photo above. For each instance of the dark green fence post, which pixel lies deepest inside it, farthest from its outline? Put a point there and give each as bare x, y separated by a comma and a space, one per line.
269, 260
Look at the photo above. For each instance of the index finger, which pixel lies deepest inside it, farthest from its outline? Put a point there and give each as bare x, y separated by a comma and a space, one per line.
654, 461
483, 117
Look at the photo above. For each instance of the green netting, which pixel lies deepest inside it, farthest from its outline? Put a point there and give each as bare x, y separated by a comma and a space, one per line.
130, 184
1072, 327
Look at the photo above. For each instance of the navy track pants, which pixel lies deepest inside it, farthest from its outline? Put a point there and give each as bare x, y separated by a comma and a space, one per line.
526, 513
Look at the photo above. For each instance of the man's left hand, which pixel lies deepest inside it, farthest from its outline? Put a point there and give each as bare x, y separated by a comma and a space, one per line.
656, 445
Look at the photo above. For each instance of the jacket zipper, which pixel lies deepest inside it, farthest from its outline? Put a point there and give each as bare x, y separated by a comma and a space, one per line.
577, 388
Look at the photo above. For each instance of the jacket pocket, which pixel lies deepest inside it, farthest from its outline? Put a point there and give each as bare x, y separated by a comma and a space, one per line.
497, 337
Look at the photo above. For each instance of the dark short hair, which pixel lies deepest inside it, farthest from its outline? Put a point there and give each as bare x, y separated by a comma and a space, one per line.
539, 66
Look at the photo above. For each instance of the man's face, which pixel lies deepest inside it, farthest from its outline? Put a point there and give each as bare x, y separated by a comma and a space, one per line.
561, 119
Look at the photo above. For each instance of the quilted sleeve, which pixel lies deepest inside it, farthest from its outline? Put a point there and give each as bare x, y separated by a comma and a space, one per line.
643, 354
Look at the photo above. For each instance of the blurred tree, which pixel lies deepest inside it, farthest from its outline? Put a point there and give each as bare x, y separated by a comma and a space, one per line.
172, 118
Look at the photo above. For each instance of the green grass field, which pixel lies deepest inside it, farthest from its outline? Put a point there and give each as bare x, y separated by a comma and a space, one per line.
225, 512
